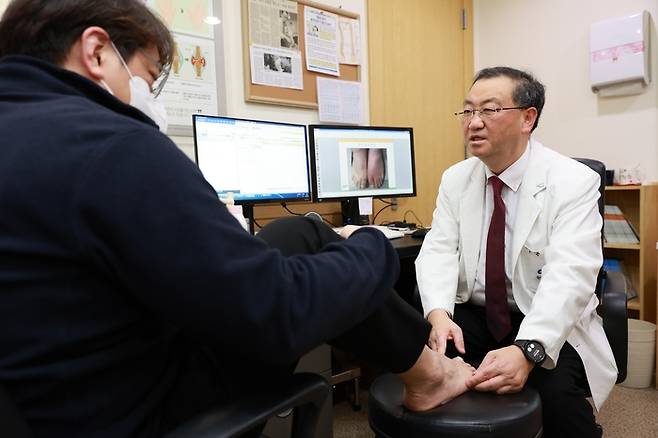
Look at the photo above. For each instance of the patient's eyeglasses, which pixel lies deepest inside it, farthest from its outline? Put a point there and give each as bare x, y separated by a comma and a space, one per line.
159, 83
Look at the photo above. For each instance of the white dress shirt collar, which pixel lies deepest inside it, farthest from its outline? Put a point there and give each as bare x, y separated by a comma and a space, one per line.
513, 175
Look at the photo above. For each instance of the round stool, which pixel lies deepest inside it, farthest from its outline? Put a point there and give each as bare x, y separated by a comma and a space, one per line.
471, 414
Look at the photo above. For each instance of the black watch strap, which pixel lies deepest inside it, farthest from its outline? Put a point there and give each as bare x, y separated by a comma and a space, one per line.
532, 350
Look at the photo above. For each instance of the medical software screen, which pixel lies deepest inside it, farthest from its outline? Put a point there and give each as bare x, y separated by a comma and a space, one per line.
362, 161
256, 160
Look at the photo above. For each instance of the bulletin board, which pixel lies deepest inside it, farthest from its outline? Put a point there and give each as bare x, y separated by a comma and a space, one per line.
307, 96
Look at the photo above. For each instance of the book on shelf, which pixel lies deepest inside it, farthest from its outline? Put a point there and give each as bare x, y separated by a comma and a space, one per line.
616, 229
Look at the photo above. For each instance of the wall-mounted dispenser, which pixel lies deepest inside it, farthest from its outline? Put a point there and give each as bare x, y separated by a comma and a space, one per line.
619, 55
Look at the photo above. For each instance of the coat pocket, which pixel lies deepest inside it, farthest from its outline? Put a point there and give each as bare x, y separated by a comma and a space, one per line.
532, 262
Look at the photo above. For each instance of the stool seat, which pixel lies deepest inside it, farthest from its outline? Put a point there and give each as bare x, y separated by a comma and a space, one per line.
472, 414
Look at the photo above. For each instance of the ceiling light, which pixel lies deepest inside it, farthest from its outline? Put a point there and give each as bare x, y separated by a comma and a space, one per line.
212, 20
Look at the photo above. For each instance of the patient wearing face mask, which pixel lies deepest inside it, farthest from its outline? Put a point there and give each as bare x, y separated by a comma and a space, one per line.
131, 299
141, 95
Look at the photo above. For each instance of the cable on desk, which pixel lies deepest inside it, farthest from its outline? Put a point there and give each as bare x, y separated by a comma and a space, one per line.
380, 210
283, 204
404, 218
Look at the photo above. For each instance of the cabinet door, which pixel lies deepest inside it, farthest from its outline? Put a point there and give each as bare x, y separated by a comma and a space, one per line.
420, 66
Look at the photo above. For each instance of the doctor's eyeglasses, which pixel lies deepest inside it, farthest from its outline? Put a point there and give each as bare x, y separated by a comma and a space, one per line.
484, 113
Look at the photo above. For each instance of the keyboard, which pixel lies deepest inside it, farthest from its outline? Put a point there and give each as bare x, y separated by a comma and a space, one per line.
390, 234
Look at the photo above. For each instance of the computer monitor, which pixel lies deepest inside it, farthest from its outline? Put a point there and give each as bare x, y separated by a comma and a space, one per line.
258, 161
349, 162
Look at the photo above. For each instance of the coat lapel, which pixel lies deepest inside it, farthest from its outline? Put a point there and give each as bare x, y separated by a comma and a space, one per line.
527, 210
470, 217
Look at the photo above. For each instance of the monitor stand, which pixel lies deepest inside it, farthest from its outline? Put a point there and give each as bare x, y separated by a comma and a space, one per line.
350, 211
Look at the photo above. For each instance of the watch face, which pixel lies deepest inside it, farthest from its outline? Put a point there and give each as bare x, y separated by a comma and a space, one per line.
535, 352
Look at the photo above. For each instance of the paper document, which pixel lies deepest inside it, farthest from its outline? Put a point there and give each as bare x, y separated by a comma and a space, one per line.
274, 23
339, 101
349, 41
276, 67
320, 31
389, 233
365, 206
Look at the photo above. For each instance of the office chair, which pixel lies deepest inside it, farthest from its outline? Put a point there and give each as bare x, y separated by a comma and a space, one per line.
304, 393
611, 290
485, 414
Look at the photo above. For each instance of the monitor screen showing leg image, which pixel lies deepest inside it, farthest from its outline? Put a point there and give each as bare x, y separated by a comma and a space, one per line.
361, 161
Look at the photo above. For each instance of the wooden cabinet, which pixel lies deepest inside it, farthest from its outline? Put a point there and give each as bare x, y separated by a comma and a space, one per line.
639, 205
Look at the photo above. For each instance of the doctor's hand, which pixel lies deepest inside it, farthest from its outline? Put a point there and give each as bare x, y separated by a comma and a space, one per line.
502, 371
444, 329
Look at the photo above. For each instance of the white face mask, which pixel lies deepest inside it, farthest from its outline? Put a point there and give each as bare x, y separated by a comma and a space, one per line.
142, 98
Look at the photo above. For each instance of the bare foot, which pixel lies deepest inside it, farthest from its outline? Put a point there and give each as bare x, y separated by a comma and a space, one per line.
359, 168
434, 380
375, 168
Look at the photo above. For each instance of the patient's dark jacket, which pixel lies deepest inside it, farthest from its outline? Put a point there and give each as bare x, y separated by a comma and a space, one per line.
114, 249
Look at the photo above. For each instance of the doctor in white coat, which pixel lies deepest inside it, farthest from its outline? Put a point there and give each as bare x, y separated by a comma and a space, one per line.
546, 332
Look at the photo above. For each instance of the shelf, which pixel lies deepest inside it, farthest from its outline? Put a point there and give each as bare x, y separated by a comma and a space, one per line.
639, 204
631, 246
631, 187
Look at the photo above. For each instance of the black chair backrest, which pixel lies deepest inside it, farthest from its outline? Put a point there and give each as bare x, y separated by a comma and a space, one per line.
613, 303
599, 168
11, 421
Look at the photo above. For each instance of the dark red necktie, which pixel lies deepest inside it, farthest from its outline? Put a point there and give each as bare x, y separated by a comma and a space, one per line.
495, 289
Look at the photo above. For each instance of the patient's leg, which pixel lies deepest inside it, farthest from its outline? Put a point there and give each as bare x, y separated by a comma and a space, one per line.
393, 337
360, 168
375, 167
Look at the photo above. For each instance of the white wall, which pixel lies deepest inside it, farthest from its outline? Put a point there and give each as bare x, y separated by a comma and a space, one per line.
550, 38
234, 65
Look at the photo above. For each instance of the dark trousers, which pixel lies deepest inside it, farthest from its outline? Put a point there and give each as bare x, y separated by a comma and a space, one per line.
565, 410
392, 338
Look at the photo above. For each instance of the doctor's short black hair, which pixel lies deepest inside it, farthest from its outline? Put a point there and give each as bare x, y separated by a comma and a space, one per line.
47, 29
529, 92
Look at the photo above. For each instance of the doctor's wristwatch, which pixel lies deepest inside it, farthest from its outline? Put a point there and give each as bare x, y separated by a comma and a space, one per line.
533, 350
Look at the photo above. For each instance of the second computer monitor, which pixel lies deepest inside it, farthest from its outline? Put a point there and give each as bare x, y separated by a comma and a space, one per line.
361, 161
